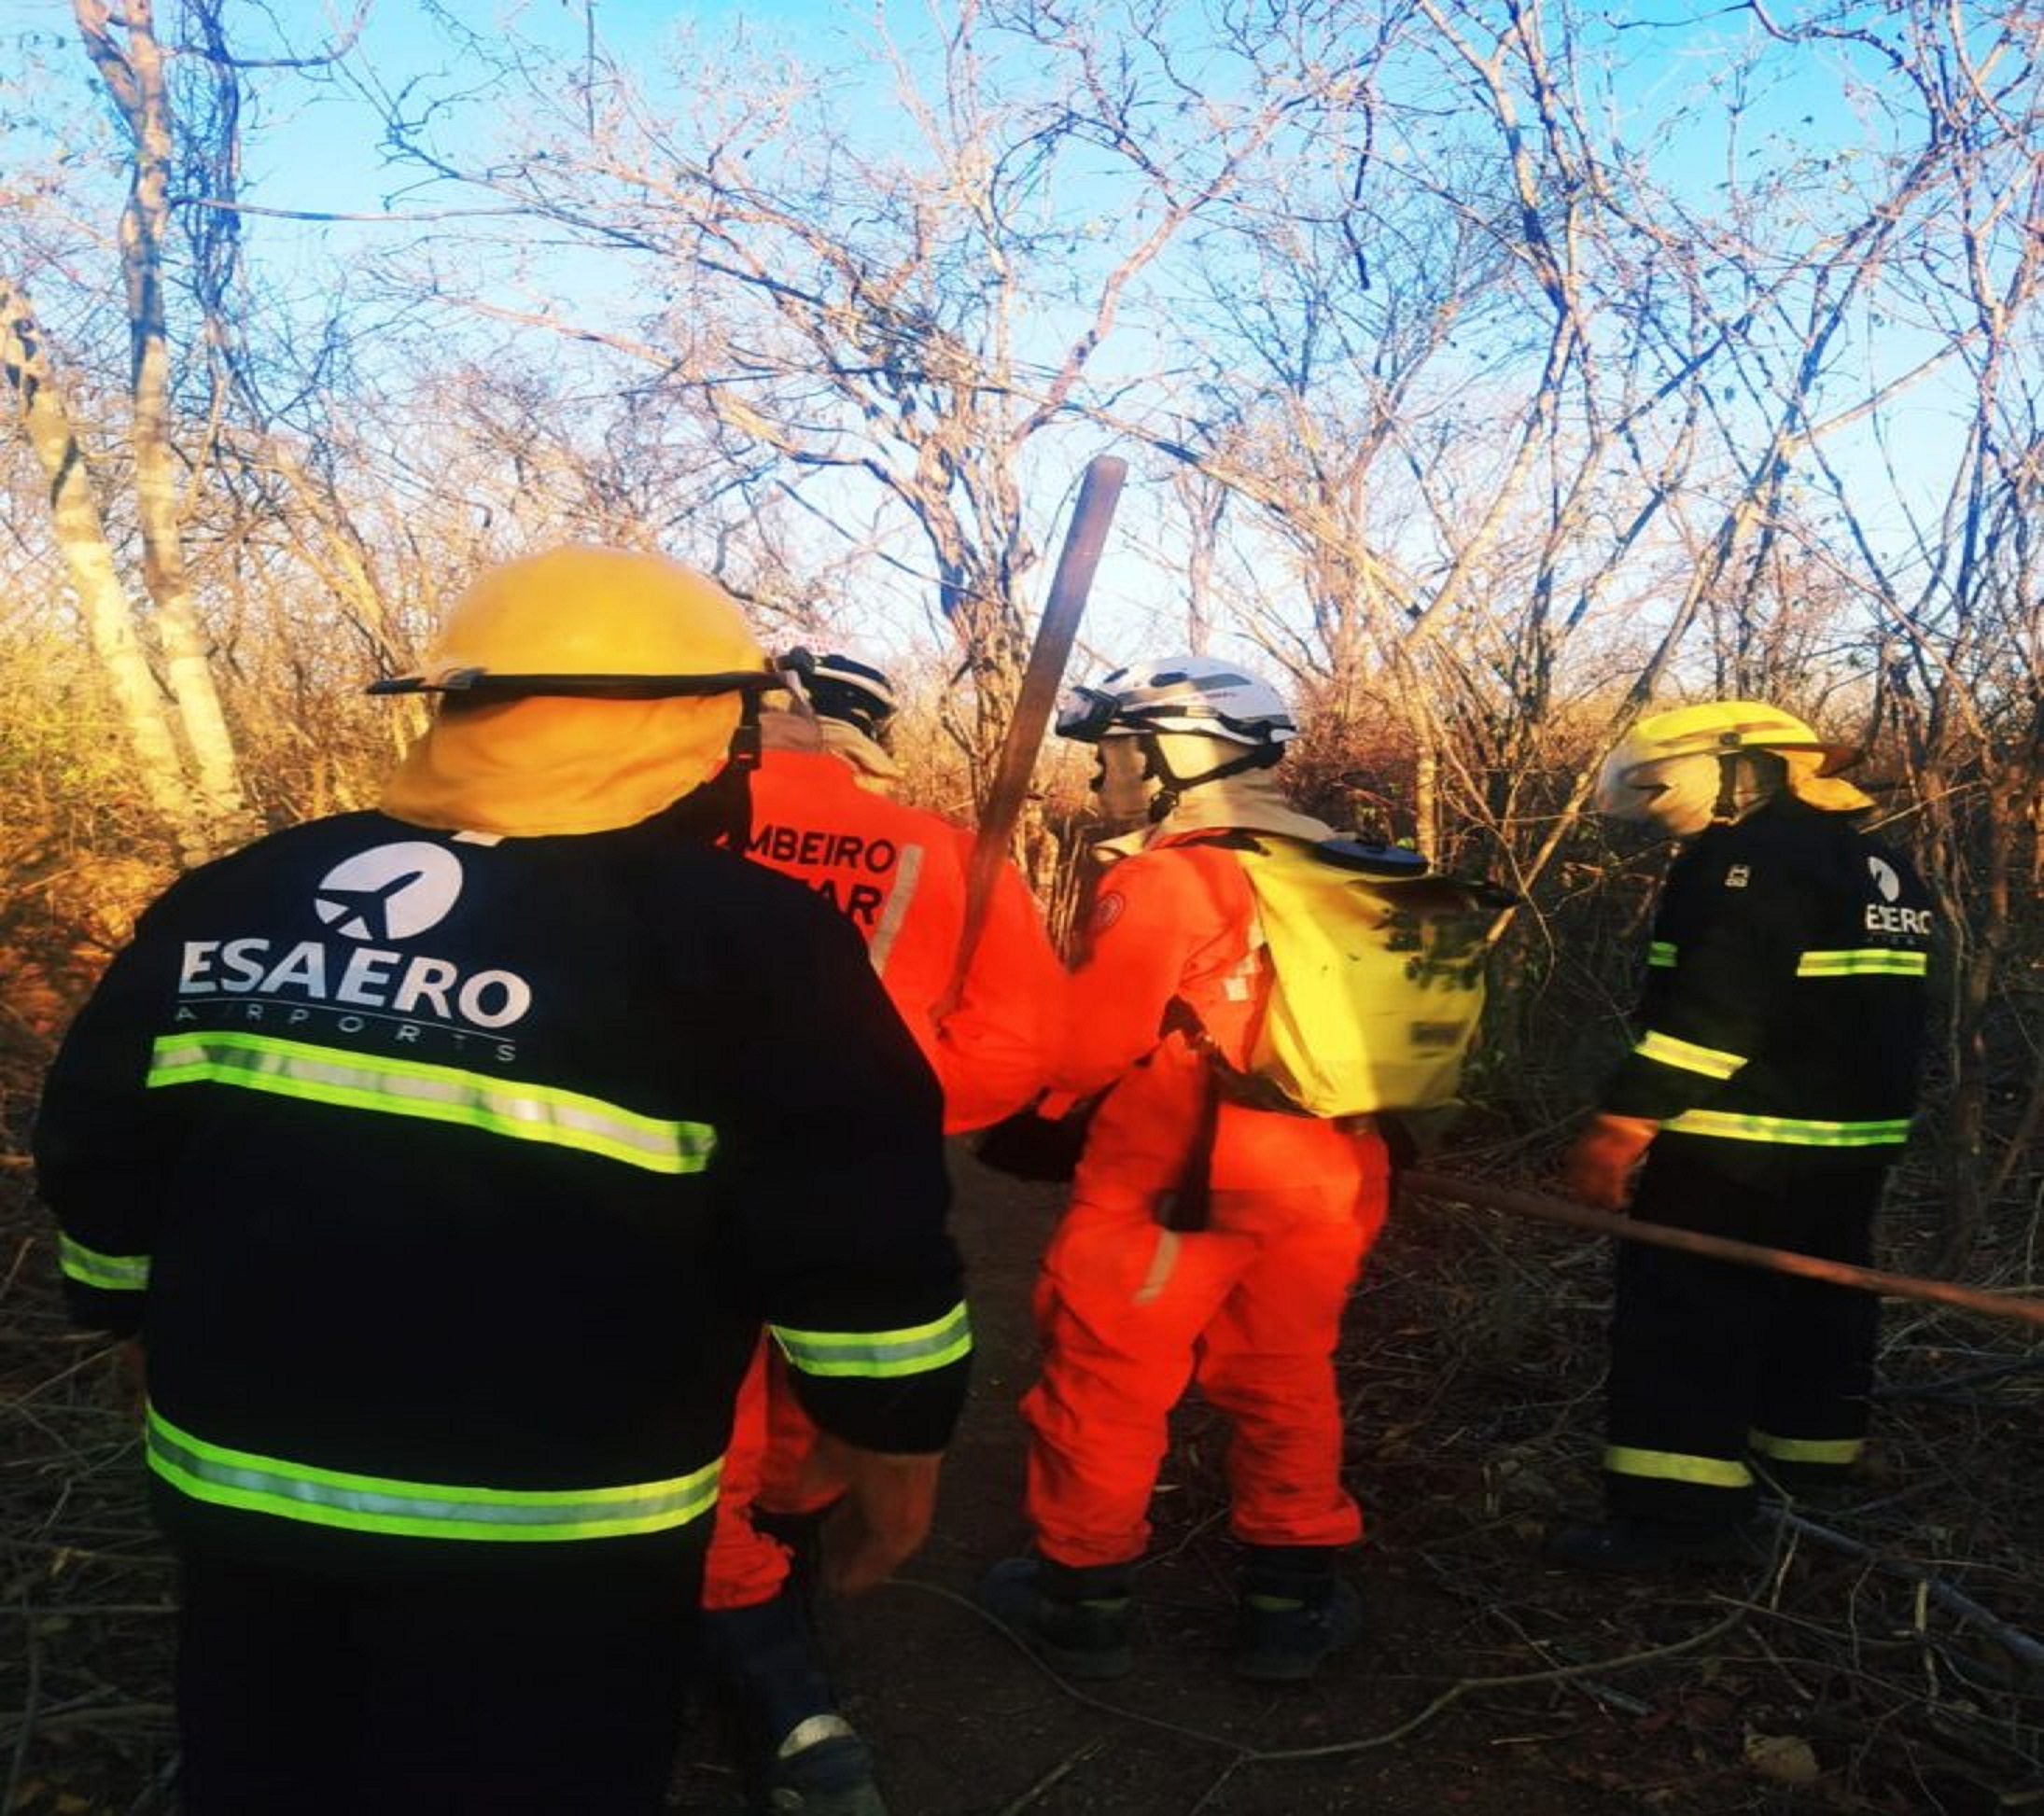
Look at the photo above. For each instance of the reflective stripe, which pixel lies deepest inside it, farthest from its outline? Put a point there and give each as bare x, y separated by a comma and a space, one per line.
879, 1353
908, 876
1688, 1057
1789, 1131
1865, 961
425, 1510
1673, 1466
89, 1267
1162, 1265
439, 1094
1804, 1450
1660, 955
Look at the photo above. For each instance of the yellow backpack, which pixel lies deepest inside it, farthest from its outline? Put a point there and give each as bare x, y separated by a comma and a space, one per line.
1378, 975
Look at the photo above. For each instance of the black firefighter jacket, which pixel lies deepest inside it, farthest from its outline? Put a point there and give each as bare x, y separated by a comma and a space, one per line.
1784, 1008
449, 1180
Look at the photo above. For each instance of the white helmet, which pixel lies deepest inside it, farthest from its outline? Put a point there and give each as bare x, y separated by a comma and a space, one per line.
841, 685
1194, 695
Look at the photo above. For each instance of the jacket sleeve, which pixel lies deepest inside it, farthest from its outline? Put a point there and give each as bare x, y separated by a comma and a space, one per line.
1142, 933
992, 1051
1732, 926
832, 1149
103, 1140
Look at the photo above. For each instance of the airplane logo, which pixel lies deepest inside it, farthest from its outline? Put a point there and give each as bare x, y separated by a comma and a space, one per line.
389, 892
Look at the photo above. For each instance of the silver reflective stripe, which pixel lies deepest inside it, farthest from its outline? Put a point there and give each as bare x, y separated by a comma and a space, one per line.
879, 1353
1660, 954
1686, 1055
439, 1094
908, 874
1867, 961
428, 1510
113, 1273
1789, 1131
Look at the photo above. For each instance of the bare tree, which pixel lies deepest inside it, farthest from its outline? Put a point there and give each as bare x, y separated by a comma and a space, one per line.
912, 317
79, 529
129, 60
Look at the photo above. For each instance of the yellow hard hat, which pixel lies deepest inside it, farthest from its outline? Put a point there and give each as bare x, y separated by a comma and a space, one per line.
1661, 771
1719, 728
591, 621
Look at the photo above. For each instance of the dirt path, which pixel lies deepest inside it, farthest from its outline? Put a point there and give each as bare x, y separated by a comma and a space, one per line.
1831, 1680
967, 1724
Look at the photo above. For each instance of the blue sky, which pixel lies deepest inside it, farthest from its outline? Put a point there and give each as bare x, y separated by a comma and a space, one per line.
316, 147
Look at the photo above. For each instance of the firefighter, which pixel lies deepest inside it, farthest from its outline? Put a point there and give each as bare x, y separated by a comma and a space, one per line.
447, 1159
1207, 1241
1768, 1093
822, 814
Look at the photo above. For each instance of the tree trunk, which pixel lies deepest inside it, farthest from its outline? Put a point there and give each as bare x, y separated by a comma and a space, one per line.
135, 79
81, 535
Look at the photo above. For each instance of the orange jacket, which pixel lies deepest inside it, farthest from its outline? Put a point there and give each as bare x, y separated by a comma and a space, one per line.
898, 874
1178, 920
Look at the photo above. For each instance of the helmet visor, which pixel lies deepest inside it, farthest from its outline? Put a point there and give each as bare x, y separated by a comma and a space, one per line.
1087, 715
1673, 795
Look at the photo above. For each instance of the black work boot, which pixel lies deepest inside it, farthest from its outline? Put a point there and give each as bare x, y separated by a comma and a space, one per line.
801, 1754
1294, 1611
1630, 1541
1814, 1485
1075, 1619
821, 1769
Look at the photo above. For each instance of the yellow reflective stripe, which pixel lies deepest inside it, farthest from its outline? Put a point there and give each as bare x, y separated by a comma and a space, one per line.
437, 1094
878, 1353
1673, 1466
1804, 1450
89, 1267
1660, 954
1864, 961
1687, 1056
427, 1510
1789, 1131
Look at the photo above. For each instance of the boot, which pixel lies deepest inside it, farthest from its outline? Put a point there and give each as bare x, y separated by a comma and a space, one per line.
1632, 1542
801, 1754
1812, 1485
1075, 1619
821, 1769
1294, 1611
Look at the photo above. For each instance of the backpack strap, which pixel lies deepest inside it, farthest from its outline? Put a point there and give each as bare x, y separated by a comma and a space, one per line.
1235, 1086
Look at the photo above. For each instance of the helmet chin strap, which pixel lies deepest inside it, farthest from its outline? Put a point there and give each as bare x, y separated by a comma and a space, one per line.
1158, 768
721, 811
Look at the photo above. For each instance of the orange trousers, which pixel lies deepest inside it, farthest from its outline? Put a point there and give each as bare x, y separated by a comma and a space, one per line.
770, 1463
1131, 1313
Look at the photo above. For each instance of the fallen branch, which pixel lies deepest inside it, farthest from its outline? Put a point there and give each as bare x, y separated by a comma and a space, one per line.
1963, 1607
1722, 1248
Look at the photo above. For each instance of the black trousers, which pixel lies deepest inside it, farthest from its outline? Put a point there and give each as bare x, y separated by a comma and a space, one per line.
473, 1692
1710, 1359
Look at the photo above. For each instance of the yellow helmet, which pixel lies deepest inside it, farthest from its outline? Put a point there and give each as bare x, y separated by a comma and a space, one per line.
1665, 773
591, 621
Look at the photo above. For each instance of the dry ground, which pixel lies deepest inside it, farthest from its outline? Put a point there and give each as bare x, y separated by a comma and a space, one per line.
1887, 1661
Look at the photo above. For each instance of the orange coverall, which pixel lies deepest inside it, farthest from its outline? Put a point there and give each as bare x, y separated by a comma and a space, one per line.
1249, 1306
899, 874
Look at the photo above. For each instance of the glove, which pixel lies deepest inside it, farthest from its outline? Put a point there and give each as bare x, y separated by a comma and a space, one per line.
1029, 1146
1598, 1169
889, 1500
